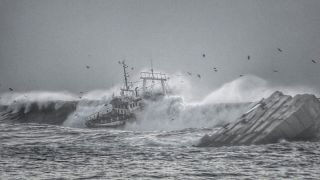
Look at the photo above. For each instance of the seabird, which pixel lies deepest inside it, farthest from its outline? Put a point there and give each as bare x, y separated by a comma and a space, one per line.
275, 71
10, 89
248, 57
199, 76
203, 55
132, 68
240, 75
313, 61
280, 50
87, 67
189, 73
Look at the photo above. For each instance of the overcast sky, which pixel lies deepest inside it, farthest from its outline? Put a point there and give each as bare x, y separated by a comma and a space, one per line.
46, 44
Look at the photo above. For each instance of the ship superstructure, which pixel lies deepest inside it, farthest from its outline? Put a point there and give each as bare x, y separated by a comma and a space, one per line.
123, 108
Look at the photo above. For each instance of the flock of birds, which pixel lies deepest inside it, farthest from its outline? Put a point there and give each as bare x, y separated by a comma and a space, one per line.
249, 58
189, 73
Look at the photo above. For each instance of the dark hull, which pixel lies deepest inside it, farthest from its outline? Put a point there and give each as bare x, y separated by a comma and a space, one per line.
110, 120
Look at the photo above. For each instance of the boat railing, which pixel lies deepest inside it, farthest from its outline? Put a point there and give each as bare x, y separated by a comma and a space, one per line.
98, 114
153, 76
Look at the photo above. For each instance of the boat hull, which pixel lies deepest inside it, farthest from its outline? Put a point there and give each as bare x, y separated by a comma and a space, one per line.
110, 120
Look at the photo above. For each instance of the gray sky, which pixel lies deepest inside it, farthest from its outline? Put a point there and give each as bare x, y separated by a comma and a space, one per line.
45, 44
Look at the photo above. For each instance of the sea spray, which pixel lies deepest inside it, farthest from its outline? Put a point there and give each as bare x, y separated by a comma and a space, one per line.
182, 109
173, 113
91, 103
251, 88
40, 97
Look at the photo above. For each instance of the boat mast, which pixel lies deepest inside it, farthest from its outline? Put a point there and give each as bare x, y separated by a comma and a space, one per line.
125, 74
152, 76
152, 67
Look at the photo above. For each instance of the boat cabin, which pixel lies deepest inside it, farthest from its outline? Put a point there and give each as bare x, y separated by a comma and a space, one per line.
125, 106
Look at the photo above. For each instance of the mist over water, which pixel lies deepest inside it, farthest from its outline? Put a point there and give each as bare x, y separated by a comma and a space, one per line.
251, 88
59, 64
163, 135
183, 109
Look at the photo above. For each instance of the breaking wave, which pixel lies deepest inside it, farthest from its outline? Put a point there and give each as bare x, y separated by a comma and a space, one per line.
178, 111
173, 113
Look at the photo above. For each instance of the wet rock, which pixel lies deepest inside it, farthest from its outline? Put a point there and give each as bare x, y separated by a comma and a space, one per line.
277, 117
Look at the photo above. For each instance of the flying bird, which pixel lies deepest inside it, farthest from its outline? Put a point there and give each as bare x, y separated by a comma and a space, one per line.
275, 71
313, 61
189, 73
248, 57
215, 69
199, 76
203, 55
10, 89
240, 75
132, 68
88, 67
280, 50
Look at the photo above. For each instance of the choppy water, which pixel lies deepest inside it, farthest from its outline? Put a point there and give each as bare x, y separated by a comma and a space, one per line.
158, 146
33, 151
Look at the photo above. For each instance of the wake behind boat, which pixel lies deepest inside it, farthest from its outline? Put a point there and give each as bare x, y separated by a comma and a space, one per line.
123, 108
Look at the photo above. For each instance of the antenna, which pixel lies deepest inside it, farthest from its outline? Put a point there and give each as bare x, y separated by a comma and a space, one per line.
152, 70
151, 66
125, 74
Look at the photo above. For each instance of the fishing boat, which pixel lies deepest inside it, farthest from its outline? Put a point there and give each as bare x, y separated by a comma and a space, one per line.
123, 107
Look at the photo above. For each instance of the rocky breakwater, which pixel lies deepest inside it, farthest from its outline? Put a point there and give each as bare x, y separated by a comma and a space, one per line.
277, 117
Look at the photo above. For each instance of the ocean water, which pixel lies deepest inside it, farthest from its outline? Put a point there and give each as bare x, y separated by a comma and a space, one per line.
43, 136
35, 151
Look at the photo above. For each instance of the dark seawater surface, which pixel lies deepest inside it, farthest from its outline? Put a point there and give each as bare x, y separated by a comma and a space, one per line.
34, 151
